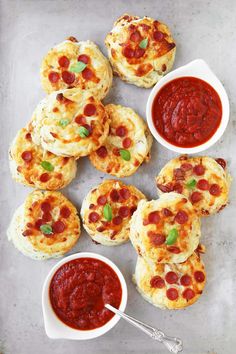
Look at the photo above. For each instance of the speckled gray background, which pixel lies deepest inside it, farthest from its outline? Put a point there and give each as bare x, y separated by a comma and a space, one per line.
202, 29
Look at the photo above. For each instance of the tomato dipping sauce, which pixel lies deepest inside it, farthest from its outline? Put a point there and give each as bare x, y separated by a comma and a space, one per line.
79, 290
187, 111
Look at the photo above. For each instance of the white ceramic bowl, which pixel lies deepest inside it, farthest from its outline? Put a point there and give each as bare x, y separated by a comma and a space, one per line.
197, 68
57, 329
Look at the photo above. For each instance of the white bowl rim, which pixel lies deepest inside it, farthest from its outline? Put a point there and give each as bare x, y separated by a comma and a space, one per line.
54, 327
200, 69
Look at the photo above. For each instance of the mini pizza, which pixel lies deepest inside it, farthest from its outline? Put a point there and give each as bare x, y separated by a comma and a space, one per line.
171, 286
73, 64
35, 167
141, 50
166, 230
69, 123
127, 146
203, 180
106, 212
45, 226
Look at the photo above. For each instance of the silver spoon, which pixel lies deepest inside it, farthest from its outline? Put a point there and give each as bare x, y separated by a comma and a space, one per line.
173, 344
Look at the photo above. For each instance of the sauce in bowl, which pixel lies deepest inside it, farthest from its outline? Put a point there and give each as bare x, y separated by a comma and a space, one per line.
79, 290
187, 112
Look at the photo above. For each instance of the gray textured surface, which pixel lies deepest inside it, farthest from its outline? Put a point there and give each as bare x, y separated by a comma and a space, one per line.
202, 29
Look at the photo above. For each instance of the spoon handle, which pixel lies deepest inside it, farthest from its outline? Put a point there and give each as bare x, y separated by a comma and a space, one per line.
173, 344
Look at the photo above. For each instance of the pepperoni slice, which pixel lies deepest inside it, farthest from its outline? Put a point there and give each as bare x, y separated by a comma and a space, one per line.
203, 184
114, 195
84, 58
93, 217
39, 223
199, 170
64, 62
154, 217
102, 152
102, 200
173, 249
195, 197
116, 151
188, 294
186, 166
133, 209
65, 212
156, 239
80, 120
68, 77
139, 52
58, 227
117, 220
60, 97
179, 174
221, 162
171, 277
87, 74
124, 212
167, 212
185, 280
90, 110
199, 276
28, 136
124, 193
135, 36
27, 232
47, 216
215, 190
27, 156
172, 294
45, 207
53, 77
158, 35
126, 143
164, 188
181, 217
157, 282
121, 131
128, 52
178, 188
44, 177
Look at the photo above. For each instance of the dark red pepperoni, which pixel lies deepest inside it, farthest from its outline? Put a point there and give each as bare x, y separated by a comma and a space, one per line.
28, 136
114, 195
171, 277
158, 35
199, 170
27, 233
124, 212
116, 151
154, 217
172, 294
186, 166
90, 110
121, 131
132, 210
47, 216
188, 294
88, 127
102, 200
157, 282
53, 77
64, 62
27, 156
173, 249
179, 174
44, 177
102, 152
124, 193
84, 58
215, 190
87, 74
181, 217
128, 52
185, 280
58, 227
126, 143
155, 238
93, 217
117, 220
164, 188
39, 223
203, 184
167, 212
199, 276
195, 197
60, 97
135, 36
178, 188
65, 212
221, 162
81, 120
139, 52
68, 77
45, 207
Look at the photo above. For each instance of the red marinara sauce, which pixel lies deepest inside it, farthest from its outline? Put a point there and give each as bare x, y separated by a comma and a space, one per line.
187, 111
80, 288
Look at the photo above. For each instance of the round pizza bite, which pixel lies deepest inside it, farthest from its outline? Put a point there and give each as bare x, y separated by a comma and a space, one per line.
203, 180
73, 64
45, 226
141, 50
107, 209
166, 230
127, 146
171, 286
35, 167
69, 123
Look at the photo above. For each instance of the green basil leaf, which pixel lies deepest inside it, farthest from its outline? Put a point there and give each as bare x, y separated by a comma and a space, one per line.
83, 132
46, 229
125, 154
47, 166
143, 44
172, 237
78, 67
191, 183
107, 212
64, 122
